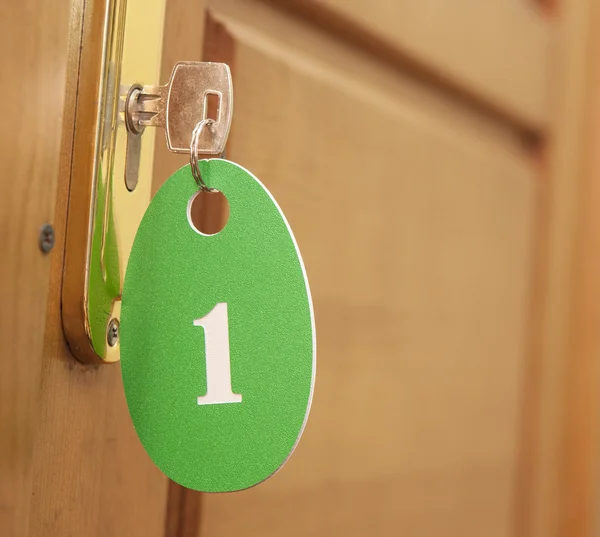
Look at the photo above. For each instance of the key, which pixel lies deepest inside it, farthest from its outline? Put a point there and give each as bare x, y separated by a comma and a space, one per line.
178, 107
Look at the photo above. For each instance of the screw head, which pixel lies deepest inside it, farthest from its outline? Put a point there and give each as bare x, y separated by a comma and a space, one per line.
46, 238
112, 333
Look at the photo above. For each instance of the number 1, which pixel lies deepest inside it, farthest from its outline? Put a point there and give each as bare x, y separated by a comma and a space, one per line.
218, 362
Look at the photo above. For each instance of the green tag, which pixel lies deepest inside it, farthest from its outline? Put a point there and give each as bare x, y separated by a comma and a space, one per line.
217, 335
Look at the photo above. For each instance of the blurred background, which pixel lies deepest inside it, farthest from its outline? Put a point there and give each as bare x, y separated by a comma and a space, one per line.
437, 161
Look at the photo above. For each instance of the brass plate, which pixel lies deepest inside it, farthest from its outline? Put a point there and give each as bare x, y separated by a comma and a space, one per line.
122, 45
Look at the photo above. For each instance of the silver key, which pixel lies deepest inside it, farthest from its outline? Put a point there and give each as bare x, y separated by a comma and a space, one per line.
178, 107
183, 103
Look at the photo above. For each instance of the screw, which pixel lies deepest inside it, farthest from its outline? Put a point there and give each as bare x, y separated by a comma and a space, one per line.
112, 334
46, 238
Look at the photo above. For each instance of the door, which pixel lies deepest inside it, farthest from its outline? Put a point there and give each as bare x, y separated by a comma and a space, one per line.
436, 162
415, 210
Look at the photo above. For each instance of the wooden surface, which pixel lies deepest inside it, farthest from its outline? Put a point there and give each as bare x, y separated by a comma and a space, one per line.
71, 463
183, 512
399, 200
33, 97
91, 475
496, 52
561, 493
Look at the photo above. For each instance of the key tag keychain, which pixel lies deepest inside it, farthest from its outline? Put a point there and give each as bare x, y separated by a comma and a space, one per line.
217, 335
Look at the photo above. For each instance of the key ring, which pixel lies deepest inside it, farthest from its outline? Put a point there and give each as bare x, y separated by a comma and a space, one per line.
207, 122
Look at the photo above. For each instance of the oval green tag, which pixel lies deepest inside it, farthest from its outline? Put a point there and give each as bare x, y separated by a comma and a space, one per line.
217, 335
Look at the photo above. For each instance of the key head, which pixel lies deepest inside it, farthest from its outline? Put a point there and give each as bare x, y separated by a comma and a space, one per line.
187, 101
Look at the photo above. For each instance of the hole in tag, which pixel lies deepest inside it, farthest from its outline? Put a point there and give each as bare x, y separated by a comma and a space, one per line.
208, 212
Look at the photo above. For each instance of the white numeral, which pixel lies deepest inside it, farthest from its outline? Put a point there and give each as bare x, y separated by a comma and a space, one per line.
218, 363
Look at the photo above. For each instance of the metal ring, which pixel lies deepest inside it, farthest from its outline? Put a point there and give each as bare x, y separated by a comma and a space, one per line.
207, 122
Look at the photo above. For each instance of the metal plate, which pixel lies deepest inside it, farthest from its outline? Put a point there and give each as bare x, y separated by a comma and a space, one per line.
122, 44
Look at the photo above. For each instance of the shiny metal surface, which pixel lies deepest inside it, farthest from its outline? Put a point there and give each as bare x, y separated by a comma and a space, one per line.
203, 124
183, 103
122, 43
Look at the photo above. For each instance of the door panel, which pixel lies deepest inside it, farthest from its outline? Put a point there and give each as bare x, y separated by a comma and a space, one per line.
415, 219
497, 51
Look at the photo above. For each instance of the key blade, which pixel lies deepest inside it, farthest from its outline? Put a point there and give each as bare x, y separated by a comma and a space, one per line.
151, 106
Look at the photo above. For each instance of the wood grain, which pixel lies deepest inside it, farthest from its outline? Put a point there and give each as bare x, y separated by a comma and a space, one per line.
90, 474
33, 102
183, 512
497, 53
563, 441
524, 497
415, 219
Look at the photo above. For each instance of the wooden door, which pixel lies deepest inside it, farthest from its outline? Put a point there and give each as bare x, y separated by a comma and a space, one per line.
416, 215
431, 158
436, 161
